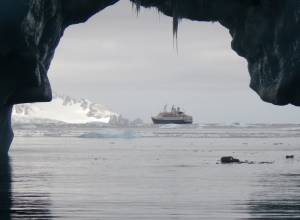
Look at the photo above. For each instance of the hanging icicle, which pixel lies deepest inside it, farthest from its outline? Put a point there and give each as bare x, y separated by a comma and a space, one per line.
176, 20
136, 4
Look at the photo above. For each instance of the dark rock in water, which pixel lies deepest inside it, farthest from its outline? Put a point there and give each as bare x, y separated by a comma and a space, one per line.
266, 162
229, 159
289, 156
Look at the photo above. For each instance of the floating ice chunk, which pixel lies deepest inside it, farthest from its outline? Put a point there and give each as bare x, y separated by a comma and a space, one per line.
166, 126
125, 134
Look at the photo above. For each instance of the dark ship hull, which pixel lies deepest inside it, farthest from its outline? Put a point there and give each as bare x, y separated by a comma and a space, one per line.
172, 121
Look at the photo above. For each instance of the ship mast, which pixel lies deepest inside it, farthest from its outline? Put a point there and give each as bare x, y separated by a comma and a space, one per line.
165, 108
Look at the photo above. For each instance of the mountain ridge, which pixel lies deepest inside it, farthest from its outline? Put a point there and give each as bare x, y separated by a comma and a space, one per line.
64, 109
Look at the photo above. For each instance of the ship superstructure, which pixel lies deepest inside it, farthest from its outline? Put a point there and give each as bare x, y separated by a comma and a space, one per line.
175, 116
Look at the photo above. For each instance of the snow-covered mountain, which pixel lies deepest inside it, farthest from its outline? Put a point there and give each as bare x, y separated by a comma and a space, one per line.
64, 109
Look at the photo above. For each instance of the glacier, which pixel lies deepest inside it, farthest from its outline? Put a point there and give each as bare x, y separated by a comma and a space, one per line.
64, 109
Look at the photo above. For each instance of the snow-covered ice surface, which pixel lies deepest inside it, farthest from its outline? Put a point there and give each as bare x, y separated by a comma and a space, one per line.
63, 109
160, 172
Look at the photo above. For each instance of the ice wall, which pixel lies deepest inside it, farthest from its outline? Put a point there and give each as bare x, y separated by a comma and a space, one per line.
5, 130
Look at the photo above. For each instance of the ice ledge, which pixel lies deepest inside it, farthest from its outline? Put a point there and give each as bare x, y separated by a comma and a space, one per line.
5, 130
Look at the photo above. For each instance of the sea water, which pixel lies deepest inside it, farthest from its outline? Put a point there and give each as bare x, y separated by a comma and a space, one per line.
152, 173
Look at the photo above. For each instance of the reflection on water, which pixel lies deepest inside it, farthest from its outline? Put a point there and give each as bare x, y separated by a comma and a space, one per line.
150, 178
20, 205
278, 198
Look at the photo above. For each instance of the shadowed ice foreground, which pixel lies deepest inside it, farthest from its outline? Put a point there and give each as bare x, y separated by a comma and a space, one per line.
265, 32
166, 174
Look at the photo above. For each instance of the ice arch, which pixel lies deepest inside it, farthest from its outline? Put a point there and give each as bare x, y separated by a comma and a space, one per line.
265, 32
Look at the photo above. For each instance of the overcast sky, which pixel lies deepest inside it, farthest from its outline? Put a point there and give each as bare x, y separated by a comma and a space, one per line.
129, 64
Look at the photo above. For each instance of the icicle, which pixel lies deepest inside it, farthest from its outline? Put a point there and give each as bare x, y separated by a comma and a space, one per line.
176, 21
175, 32
136, 4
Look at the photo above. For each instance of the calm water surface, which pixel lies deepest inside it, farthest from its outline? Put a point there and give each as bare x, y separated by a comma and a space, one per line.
150, 178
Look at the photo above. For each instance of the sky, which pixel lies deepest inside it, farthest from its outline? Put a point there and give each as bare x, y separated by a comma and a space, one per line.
129, 63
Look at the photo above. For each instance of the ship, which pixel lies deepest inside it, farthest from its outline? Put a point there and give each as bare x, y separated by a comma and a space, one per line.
175, 116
